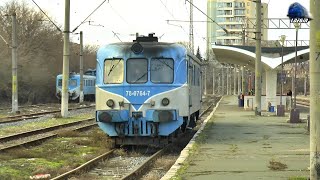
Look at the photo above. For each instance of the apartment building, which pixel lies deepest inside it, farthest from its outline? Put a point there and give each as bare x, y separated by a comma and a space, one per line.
232, 15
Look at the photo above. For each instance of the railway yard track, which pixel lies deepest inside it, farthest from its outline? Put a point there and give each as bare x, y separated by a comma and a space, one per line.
22, 117
303, 102
104, 162
132, 166
26, 106
39, 135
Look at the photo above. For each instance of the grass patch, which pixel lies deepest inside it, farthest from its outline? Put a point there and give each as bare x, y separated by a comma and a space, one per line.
276, 165
152, 176
165, 163
298, 178
265, 137
234, 148
55, 156
45, 123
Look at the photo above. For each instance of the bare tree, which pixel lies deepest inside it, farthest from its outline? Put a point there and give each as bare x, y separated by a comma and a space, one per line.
40, 55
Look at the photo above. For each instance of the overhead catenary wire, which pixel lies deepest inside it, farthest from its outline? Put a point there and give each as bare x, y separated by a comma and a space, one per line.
166, 7
89, 16
46, 16
4, 40
224, 29
113, 9
115, 34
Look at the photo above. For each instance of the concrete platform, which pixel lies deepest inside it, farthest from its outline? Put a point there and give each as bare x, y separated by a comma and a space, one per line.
240, 145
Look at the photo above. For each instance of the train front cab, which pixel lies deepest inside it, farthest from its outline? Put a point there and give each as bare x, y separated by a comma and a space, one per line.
136, 104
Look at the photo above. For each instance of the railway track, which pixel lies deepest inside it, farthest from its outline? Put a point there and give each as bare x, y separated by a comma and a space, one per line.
303, 102
22, 117
112, 165
39, 135
27, 106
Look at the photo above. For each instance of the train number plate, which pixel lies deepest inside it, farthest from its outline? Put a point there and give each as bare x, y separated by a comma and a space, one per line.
137, 93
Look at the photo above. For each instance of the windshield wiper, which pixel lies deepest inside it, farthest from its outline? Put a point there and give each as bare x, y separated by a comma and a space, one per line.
113, 66
164, 63
141, 77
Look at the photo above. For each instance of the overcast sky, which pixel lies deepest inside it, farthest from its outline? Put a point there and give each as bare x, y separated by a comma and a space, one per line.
126, 17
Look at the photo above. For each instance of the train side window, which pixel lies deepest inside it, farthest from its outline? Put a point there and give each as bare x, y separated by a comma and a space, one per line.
190, 71
162, 70
190, 75
199, 76
137, 71
59, 82
194, 75
113, 71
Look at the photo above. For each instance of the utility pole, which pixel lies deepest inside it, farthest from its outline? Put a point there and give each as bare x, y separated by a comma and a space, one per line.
213, 81
242, 80
66, 57
305, 83
191, 39
258, 68
205, 80
222, 80
243, 37
81, 68
227, 74
239, 82
14, 65
234, 81
314, 90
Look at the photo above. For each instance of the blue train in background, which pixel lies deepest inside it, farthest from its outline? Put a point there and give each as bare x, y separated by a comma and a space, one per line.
147, 91
89, 78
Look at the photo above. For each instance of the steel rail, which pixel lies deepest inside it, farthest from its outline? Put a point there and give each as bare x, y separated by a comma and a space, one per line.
132, 175
41, 130
16, 118
43, 138
84, 166
137, 171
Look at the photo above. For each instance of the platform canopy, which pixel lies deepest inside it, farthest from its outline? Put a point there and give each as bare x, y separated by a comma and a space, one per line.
270, 58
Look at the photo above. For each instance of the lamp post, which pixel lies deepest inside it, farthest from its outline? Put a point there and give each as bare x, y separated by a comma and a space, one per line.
81, 96
297, 14
280, 109
297, 26
294, 113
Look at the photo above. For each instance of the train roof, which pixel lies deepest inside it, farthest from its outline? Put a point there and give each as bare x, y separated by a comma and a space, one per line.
144, 42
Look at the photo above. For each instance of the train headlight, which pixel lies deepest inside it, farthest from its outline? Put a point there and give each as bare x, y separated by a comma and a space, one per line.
165, 102
110, 103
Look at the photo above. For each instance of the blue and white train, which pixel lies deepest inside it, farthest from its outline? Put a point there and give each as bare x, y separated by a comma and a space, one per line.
146, 91
89, 78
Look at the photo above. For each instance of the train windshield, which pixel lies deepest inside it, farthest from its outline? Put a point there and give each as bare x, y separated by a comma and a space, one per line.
72, 82
162, 70
137, 71
113, 71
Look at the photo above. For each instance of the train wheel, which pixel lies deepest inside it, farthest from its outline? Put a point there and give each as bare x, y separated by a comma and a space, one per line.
197, 115
183, 127
193, 119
